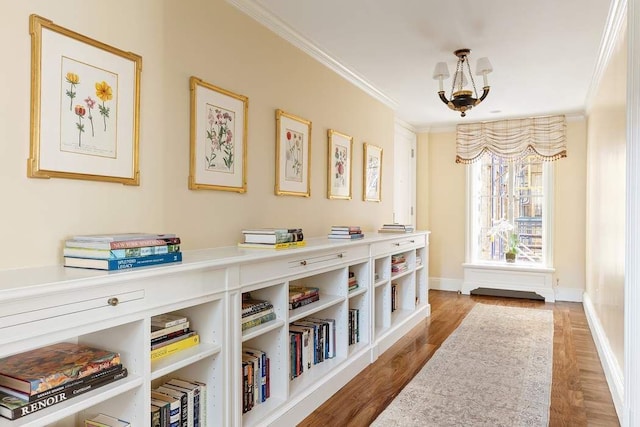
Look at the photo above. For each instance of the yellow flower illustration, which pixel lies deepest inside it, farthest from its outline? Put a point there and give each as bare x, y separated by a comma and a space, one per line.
103, 91
73, 78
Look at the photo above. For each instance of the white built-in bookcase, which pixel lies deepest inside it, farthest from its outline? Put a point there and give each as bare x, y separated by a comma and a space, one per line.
41, 306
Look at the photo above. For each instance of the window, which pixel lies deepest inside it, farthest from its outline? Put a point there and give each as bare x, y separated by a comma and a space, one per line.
517, 194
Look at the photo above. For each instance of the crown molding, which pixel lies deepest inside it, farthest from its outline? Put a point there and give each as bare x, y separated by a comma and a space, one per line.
408, 126
613, 29
275, 24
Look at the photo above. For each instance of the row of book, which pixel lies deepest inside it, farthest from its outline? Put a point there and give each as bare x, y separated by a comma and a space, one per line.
354, 326
179, 402
121, 251
171, 333
255, 312
396, 228
272, 238
43, 377
312, 341
348, 232
256, 384
399, 263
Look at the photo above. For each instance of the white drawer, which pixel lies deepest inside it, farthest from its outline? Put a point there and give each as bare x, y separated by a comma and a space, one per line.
97, 303
299, 263
398, 244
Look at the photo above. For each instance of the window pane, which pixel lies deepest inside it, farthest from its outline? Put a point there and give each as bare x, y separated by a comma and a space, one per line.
509, 194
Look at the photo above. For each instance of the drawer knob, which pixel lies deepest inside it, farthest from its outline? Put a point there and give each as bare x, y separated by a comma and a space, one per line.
340, 255
396, 244
113, 301
303, 262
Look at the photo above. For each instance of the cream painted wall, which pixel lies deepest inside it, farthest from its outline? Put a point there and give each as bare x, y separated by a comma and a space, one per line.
214, 41
606, 200
446, 217
422, 182
446, 207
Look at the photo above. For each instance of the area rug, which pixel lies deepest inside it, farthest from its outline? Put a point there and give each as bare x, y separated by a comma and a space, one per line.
494, 370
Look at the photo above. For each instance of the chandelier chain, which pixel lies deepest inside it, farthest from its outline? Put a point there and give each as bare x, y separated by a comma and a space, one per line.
473, 83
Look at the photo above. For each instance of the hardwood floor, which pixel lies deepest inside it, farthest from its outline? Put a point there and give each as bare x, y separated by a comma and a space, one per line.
579, 394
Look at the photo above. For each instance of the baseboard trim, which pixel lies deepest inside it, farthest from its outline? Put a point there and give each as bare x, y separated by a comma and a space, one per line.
569, 294
612, 371
445, 284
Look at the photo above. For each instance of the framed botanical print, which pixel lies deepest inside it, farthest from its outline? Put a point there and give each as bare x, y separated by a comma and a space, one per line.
293, 148
218, 158
372, 179
85, 103
339, 158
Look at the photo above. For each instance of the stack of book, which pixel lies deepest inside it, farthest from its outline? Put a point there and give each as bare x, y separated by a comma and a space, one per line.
302, 295
171, 333
398, 264
396, 228
255, 311
353, 282
354, 326
272, 238
255, 378
102, 420
179, 402
121, 251
46, 376
349, 232
312, 341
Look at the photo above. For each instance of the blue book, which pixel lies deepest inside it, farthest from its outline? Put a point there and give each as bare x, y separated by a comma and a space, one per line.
122, 264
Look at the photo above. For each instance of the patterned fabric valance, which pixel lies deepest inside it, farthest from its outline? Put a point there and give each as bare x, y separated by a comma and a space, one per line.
514, 139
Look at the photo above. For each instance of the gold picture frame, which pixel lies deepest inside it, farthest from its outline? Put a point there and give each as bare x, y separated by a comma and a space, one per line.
372, 173
218, 135
293, 148
339, 161
85, 107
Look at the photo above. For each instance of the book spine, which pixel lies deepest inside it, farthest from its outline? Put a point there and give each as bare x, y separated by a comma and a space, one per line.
172, 340
112, 370
303, 302
160, 333
260, 320
168, 337
175, 347
255, 308
128, 263
257, 315
61, 396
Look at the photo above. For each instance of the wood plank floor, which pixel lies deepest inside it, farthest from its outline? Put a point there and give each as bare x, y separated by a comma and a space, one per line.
579, 394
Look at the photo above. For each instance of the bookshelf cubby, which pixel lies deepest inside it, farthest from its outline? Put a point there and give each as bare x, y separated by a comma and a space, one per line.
41, 306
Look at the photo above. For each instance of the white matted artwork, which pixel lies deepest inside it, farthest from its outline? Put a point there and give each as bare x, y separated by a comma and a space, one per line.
85, 98
218, 138
372, 173
339, 158
293, 148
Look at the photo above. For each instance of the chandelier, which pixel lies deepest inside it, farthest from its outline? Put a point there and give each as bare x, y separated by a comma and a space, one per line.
463, 99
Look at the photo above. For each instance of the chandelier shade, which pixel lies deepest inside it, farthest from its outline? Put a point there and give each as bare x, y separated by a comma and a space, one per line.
462, 98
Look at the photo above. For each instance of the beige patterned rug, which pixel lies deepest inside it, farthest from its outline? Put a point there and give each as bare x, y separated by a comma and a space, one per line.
493, 370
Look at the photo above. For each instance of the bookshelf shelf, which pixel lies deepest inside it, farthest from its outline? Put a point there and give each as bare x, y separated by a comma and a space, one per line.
41, 306
356, 292
325, 301
183, 358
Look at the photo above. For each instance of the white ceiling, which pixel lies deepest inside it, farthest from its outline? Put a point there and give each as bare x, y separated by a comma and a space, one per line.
545, 54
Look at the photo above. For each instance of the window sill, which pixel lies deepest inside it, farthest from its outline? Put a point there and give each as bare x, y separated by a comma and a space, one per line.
503, 265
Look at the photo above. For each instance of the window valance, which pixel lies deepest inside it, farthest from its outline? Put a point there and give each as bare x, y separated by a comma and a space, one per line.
513, 139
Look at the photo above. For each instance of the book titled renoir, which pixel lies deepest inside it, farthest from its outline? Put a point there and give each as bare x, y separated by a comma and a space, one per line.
47, 367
